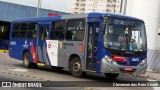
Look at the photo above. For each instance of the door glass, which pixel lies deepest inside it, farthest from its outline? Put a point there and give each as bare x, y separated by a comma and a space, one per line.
95, 42
42, 35
46, 33
89, 47
43, 32
92, 46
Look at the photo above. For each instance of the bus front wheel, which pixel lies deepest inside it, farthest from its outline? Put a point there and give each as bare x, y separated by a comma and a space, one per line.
111, 76
26, 61
76, 67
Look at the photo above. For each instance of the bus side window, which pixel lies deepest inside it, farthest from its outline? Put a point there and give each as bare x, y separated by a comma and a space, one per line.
75, 30
23, 30
32, 30
15, 32
57, 32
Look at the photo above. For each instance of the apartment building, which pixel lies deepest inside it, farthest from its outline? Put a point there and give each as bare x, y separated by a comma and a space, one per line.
85, 6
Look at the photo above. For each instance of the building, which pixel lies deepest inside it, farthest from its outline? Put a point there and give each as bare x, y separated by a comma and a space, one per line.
10, 11
86, 6
159, 29
114, 6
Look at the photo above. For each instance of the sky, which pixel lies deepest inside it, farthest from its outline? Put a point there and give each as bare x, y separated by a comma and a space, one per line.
58, 5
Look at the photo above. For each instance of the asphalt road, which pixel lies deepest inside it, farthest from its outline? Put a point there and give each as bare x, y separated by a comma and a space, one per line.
13, 70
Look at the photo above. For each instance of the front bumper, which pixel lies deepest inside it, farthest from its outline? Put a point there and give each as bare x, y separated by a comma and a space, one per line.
107, 67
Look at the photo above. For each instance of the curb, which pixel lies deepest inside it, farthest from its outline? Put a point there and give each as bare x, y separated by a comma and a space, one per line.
4, 51
27, 76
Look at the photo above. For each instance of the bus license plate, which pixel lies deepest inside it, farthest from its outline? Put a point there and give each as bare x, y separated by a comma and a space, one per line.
128, 69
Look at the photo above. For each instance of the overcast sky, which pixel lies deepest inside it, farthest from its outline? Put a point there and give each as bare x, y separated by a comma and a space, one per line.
58, 5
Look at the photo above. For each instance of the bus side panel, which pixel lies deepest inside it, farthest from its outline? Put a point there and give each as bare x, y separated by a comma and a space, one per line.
52, 51
68, 48
13, 49
60, 51
16, 48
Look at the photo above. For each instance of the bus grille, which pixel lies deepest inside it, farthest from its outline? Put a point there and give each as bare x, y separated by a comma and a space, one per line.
128, 64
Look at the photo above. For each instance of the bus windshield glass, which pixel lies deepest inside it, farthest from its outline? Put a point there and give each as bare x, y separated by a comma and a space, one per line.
124, 34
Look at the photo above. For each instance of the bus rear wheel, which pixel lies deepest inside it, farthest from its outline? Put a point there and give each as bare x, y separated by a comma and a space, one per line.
111, 76
26, 61
76, 67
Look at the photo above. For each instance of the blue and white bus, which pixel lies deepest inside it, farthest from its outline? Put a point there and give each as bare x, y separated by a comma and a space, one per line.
93, 42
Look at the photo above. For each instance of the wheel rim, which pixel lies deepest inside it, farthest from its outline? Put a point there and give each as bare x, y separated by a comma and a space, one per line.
26, 60
76, 66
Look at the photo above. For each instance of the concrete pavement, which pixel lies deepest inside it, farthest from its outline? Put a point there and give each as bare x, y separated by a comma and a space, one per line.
152, 75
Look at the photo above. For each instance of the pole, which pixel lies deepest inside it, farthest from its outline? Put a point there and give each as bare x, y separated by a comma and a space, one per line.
123, 7
38, 7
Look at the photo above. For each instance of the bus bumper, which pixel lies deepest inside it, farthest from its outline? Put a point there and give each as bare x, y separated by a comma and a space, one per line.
107, 67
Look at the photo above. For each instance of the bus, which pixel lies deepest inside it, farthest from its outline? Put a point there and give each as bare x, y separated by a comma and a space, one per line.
92, 42
4, 35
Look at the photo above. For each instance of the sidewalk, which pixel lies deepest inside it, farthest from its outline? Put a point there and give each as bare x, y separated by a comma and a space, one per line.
152, 75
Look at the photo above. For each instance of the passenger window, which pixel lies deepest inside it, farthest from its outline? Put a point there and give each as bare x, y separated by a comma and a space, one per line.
58, 30
24, 26
75, 30
16, 26
15, 32
23, 30
32, 30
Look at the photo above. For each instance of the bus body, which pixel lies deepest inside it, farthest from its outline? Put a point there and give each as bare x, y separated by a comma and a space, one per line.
93, 42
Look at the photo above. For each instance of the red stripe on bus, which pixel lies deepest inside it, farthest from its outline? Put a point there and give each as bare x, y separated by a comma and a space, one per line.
33, 53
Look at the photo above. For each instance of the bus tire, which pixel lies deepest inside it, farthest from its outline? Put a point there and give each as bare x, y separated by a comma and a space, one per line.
75, 68
111, 76
26, 61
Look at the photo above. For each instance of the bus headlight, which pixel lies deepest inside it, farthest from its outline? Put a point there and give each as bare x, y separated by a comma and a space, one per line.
142, 62
109, 59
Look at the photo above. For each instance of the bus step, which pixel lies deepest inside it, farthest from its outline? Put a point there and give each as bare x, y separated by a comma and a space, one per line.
4, 51
89, 71
40, 64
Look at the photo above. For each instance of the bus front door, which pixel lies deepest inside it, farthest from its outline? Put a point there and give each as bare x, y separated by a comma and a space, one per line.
41, 44
92, 46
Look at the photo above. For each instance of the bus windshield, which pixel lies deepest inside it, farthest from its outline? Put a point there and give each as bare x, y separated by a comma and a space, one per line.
124, 34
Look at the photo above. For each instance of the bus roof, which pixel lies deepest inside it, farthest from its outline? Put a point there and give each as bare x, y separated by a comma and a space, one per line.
74, 16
